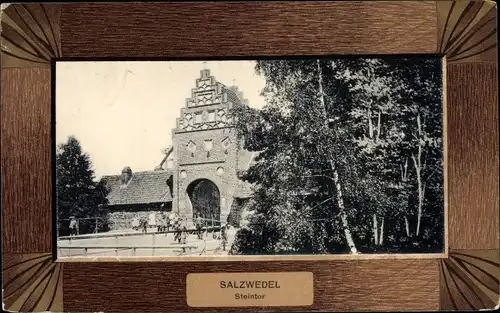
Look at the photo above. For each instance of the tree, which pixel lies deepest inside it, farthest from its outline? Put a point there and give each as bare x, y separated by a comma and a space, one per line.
393, 97
77, 194
298, 171
348, 149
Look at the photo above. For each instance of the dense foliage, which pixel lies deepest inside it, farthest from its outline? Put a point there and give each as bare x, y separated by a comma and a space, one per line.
77, 194
349, 157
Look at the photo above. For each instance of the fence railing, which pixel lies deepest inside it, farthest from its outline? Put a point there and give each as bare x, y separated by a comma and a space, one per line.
128, 224
94, 219
68, 242
118, 248
153, 233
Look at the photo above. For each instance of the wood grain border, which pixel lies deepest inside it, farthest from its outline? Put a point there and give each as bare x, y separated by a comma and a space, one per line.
464, 31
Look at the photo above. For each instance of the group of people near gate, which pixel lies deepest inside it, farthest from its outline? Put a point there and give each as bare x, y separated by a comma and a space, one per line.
199, 222
142, 224
174, 223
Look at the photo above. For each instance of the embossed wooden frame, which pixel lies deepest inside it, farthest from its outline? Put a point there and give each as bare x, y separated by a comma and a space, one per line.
462, 31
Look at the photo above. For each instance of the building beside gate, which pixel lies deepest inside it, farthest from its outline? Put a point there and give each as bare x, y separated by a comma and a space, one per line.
199, 171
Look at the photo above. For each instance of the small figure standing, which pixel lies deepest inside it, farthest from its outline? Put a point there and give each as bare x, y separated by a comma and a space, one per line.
135, 224
167, 225
159, 223
72, 226
183, 238
144, 225
184, 235
198, 225
176, 225
223, 236
151, 221
161, 219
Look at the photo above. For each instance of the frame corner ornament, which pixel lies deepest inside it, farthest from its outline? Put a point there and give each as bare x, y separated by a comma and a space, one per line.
470, 280
467, 30
32, 283
30, 35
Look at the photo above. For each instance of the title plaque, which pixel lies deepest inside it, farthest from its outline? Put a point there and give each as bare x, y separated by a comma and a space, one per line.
249, 289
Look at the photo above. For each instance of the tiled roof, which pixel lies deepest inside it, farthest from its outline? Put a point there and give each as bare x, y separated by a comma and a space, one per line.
143, 188
234, 95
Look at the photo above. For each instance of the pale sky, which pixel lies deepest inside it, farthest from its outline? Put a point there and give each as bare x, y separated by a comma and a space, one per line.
123, 112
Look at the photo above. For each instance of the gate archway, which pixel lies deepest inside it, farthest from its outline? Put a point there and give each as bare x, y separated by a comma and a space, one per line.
205, 200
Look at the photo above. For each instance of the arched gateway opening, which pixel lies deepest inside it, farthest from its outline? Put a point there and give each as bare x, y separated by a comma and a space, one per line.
205, 200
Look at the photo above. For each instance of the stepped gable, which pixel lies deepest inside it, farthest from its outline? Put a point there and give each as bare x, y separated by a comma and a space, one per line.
209, 92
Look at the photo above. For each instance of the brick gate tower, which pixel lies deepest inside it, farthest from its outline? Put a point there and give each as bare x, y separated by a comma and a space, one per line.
207, 154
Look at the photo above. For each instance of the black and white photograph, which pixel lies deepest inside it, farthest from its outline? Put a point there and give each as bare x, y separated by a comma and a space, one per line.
304, 156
